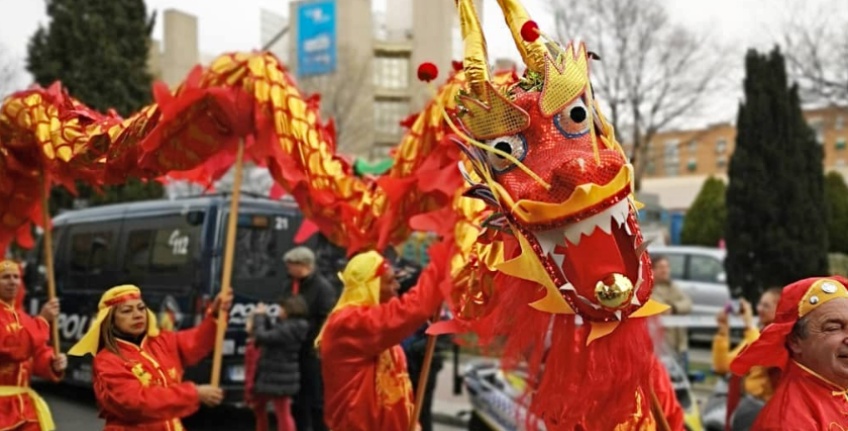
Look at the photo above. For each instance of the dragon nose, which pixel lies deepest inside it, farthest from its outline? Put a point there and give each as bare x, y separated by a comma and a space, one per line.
614, 291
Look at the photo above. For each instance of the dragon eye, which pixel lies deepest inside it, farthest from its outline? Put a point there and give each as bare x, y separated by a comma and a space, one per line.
514, 145
571, 121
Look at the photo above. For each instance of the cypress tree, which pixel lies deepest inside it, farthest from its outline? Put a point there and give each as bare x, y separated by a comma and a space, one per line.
776, 215
836, 194
705, 220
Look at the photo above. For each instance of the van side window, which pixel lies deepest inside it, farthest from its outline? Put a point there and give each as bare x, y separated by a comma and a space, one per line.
91, 252
160, 245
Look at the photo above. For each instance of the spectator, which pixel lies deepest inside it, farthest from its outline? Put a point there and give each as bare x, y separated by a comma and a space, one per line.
277, 376
666, 292
808, 343
757, 383
319, 295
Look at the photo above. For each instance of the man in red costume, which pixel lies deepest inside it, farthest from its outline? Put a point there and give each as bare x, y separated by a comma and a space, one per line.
24, 351
808, 343
366, 385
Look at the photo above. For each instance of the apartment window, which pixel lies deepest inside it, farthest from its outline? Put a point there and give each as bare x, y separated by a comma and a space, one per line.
693, 147
652, 168
840, 144
721, 162
721, 146
391, 72
691, 165
839, 123
388, 114
671, 158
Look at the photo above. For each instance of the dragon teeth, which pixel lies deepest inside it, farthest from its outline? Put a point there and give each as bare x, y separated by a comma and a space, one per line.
602, 220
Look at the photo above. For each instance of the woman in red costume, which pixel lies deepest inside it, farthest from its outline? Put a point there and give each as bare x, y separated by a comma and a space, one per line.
138, 370
366, 386
23, 352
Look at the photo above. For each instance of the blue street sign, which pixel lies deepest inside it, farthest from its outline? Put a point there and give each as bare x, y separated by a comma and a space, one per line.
316, 37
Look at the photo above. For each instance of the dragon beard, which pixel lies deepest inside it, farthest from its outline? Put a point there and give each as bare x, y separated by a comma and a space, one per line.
572, 385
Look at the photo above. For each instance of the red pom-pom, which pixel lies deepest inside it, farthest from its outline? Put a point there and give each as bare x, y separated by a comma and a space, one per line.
530, 31
427, 72
457, 65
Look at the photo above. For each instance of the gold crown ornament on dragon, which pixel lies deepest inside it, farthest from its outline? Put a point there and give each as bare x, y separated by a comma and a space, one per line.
540, 153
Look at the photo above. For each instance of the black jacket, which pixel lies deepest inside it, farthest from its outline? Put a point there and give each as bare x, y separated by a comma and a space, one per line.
320, 297
280, 342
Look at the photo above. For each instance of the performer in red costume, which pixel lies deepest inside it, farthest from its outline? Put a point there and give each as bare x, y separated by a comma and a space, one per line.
24, 351
138, 370
808, 344
366, 385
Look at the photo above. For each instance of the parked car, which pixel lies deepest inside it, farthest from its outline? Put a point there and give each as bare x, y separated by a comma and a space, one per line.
497, 405
699, 273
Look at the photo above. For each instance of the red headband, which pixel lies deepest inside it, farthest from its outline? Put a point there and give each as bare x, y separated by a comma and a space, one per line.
123, 298
382, 269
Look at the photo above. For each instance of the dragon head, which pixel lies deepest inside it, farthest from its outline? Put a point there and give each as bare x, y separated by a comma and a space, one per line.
545, 157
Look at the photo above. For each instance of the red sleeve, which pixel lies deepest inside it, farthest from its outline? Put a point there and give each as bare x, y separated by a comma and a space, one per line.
371, 330
196, 343
664, 390
120, 393
43, 363
42, 353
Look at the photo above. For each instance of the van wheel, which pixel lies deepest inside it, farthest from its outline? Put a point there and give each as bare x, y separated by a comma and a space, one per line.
477, 424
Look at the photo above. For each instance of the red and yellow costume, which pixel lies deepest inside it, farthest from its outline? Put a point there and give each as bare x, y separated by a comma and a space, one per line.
24, 352
554, 226
803, 400
366, 386
141, 388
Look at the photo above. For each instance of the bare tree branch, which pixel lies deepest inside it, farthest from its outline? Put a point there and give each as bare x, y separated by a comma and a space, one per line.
815, 42
341, 96
9, 71
652, 73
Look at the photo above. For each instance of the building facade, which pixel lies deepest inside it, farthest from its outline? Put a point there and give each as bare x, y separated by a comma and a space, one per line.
679, 161
707, 151
377, 57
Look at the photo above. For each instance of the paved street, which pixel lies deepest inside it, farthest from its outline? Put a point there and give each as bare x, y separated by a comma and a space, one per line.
74, 410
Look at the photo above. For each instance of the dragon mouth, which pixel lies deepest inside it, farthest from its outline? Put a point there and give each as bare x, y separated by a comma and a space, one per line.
580, 255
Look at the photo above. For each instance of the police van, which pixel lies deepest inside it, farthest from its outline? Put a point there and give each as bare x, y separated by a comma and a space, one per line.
173, 250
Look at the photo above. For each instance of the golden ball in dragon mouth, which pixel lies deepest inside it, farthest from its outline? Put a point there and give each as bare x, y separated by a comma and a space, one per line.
614, 291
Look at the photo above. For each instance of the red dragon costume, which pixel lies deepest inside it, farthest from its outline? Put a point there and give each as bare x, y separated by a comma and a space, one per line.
549, 243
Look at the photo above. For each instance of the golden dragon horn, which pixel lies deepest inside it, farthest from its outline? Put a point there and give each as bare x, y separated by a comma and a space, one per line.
476, 61
533, 53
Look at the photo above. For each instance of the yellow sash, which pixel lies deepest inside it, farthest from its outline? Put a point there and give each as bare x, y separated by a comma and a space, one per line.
45, 419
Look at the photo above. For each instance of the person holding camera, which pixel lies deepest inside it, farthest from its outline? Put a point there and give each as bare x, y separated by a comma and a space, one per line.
756, 383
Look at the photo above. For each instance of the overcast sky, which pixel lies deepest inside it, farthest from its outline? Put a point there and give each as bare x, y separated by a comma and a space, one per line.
233, 25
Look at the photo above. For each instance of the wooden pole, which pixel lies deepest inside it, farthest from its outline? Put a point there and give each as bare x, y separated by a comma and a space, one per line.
226, 278
659, 415
425, 373
47, 246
